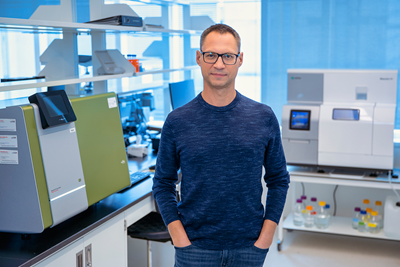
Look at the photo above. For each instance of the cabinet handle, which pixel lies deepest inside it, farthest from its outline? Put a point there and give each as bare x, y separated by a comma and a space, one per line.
88, 255
79, 259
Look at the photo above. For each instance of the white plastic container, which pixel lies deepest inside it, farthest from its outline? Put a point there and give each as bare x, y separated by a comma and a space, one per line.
391, 225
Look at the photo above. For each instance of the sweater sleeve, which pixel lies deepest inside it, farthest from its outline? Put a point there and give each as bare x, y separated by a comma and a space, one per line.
276, 174
165, 178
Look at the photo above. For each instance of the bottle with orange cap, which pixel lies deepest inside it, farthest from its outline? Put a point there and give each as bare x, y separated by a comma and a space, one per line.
379, 209
366, 204
309, 217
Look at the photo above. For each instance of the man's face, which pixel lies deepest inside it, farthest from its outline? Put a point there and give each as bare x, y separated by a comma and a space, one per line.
219, 75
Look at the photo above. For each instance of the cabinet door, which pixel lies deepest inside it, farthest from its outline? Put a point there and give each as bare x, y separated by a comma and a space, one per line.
107, 245
70, 256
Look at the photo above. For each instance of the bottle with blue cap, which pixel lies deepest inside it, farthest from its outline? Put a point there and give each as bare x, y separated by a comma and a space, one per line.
363, 222
328, 209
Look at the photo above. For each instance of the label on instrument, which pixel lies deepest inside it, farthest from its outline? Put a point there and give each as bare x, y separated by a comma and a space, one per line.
8, 156
8, 125
112, 102
8, 141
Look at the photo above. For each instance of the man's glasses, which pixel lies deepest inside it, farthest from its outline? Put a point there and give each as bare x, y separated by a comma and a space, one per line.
227, 58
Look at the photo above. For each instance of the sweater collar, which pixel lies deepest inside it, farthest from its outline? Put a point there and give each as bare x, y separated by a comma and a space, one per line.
231, 105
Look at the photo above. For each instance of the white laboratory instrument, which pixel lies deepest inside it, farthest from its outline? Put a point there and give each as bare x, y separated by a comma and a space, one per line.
340, 118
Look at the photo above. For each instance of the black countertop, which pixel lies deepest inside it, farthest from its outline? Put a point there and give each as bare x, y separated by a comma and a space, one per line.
14, 251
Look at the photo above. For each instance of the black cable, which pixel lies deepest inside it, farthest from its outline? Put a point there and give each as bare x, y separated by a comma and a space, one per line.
302, 185
334, 200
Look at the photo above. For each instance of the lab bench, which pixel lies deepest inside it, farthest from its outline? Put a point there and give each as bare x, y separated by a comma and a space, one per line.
97, 236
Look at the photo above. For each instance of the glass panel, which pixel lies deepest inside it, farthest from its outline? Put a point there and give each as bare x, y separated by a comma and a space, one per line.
326, 35
346, 114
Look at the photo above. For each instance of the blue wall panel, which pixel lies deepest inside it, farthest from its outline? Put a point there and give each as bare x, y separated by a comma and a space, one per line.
341, 34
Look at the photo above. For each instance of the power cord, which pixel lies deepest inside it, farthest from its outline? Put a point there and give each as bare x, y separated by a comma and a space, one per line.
391, 185
334, 200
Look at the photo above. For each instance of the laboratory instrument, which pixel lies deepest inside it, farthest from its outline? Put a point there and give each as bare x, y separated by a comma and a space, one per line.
60, 157
340, 118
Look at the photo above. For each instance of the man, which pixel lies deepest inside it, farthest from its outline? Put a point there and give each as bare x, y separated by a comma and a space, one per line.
220, 141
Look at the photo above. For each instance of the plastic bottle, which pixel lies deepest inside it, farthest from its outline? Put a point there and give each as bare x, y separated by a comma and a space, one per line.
379, 209
303, 204
308, 217
365, 204
373, 225
328, 209
373, 228
313, 215
322, 217
369, 210
304, 213
298, 218
356, 217
363, 222
304, 199
313, 203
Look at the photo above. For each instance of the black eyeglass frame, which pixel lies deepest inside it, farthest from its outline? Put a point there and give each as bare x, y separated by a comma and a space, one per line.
220, 55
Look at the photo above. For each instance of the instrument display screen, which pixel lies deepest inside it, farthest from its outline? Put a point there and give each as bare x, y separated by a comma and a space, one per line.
300, 120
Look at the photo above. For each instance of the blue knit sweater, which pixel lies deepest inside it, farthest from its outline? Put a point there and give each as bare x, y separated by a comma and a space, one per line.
221, 152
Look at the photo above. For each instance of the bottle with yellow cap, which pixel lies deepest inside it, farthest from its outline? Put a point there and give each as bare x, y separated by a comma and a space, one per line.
369, 210
373, 228
373, 225
379, 209
322, 218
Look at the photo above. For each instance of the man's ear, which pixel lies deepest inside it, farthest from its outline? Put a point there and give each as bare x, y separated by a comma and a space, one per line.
240, 59
198, 57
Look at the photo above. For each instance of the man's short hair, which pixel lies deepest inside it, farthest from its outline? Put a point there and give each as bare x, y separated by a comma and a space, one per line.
221, 29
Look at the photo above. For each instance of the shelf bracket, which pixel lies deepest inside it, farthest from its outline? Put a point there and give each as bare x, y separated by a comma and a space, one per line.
61, 60
65, 11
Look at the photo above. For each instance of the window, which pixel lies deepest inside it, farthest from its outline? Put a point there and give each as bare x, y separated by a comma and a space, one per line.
322, 34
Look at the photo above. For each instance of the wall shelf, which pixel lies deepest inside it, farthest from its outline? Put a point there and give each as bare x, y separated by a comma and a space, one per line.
381, 182
12, 86
337, 226
164, 71
29, 25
